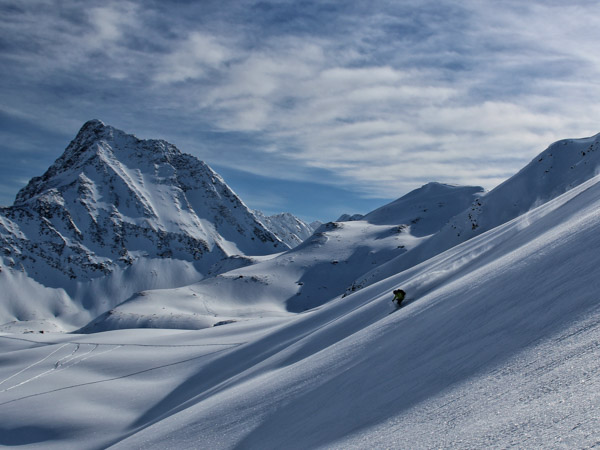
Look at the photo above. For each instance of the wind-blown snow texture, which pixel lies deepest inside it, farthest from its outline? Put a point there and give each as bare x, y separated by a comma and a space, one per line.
497, 345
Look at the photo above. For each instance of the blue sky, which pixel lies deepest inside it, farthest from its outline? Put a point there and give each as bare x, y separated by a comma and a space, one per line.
316, 108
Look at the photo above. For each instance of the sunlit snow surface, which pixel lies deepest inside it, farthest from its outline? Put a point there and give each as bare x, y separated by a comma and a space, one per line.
497, 346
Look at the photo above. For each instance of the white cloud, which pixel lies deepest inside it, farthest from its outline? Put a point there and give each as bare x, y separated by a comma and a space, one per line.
191, 58
368, 123
110, 21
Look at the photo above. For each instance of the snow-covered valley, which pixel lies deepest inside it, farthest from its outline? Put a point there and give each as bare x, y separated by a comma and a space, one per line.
496, 345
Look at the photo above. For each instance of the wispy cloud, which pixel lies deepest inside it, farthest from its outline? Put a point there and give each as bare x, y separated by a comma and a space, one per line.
382, 96
192, 59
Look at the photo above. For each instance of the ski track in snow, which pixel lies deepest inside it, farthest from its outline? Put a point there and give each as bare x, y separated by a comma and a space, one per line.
121, 344
60, 365
74, 358
31, 365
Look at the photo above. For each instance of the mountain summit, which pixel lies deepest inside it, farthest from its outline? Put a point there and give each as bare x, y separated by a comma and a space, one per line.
112, 198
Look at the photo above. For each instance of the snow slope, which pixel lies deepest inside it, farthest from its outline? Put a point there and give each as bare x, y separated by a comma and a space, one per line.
320, 269
496, 347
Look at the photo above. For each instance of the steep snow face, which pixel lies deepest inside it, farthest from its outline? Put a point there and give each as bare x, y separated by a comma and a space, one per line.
323, 267
111, 199
26, 305
562, 166
287, 227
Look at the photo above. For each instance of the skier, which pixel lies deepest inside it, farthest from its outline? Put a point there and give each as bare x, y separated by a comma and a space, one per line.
399, 295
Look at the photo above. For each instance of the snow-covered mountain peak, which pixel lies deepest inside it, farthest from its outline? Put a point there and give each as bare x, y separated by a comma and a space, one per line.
112, 199
107, 148
434, 188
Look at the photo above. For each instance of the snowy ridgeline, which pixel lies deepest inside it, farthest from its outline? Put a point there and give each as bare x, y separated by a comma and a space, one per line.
495, 347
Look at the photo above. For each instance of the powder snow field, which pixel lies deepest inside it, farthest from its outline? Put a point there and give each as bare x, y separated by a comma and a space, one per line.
496, 347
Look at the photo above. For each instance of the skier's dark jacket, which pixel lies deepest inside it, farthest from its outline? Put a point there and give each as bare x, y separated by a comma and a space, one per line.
399, 295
